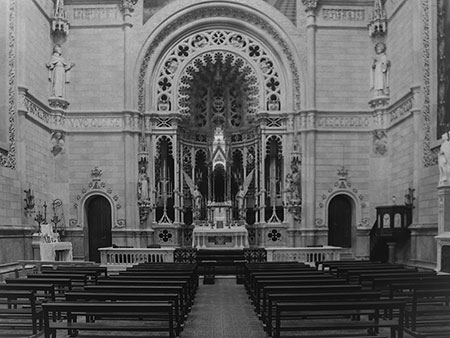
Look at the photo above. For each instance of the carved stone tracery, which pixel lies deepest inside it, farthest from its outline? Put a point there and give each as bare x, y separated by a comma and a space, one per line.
238, 52
211, 13
8, 157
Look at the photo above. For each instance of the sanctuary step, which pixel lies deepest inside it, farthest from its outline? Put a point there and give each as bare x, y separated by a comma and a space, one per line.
224, 259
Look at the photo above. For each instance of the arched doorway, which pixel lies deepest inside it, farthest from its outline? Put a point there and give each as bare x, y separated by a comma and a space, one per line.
98, 212
340, 221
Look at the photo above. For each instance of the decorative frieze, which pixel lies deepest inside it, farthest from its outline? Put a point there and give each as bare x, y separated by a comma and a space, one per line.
95, 123
97, 14
8, 157
401, 111
430, 156
343, 14
343, 122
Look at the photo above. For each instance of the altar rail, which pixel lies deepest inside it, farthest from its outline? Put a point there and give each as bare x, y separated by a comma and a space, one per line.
122, 258
306, 255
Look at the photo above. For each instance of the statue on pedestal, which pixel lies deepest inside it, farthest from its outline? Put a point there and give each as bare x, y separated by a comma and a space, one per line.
444, 161
240, 195
58, 73
379, 73
196, 197
143, 193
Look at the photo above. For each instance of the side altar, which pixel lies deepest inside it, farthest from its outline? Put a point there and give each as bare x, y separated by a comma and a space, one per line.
219, 231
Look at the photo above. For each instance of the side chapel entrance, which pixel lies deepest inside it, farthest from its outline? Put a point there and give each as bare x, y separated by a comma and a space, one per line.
98, 211
340, 222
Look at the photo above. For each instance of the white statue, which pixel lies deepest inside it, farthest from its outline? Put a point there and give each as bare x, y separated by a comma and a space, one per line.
57, 142
143, 193
196, 196
294, 183
444, 161
240, 195
379, 73
58, 73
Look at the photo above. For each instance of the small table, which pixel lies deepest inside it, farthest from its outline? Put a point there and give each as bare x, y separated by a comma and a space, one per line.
56, 251
210, 271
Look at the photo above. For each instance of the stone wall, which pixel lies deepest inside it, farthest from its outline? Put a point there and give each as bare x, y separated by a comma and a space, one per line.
97, 78
400, 50
343, 66
34, 49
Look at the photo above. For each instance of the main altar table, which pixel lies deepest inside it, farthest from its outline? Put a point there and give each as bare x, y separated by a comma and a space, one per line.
226, 237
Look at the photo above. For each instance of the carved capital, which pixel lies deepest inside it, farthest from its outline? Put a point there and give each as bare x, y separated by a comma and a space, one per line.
127, 6
310, 5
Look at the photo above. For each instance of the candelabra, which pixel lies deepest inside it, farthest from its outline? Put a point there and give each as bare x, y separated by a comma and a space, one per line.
41, 218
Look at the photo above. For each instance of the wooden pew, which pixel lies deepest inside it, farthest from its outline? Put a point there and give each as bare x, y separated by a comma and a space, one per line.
264, 285
296, 312
61, 285
76, 279
188, 289
99, 270
172, 298
375, 278
127, 288
274, 298
302, 290
429, 313
160, 312
326, 264
19, 311
43, 292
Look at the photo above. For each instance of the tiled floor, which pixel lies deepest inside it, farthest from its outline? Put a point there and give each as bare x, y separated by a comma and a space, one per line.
222, 310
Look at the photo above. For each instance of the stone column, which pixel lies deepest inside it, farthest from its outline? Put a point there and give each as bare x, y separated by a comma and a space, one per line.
130, 172
127, 8
310, 133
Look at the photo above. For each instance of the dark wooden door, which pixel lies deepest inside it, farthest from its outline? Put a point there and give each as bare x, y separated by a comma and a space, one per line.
340, 222
99, 226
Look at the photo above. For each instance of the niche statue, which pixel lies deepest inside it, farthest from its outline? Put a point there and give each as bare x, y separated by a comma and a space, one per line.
58, 73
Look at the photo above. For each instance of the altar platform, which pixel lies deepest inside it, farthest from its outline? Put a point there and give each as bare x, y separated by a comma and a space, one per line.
233, 237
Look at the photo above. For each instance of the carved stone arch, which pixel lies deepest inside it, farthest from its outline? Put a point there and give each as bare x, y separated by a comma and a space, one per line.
97, 187
356, 204
87, 196
160, 139
260, 21
278, 139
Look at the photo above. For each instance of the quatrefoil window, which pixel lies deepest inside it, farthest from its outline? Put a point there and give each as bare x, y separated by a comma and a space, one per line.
274, 235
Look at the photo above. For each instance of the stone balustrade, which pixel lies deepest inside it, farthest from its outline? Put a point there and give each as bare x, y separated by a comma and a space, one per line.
121, 258
304, 254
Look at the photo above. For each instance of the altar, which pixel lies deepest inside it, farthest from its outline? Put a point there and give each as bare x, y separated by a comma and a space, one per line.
226, 237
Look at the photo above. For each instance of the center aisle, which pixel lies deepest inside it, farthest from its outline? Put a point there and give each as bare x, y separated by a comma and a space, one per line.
222, 310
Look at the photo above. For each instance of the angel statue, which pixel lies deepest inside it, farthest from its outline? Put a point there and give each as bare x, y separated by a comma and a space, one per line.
240, 195
196, 196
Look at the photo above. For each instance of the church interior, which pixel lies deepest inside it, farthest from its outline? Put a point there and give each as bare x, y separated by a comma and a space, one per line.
256, 139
